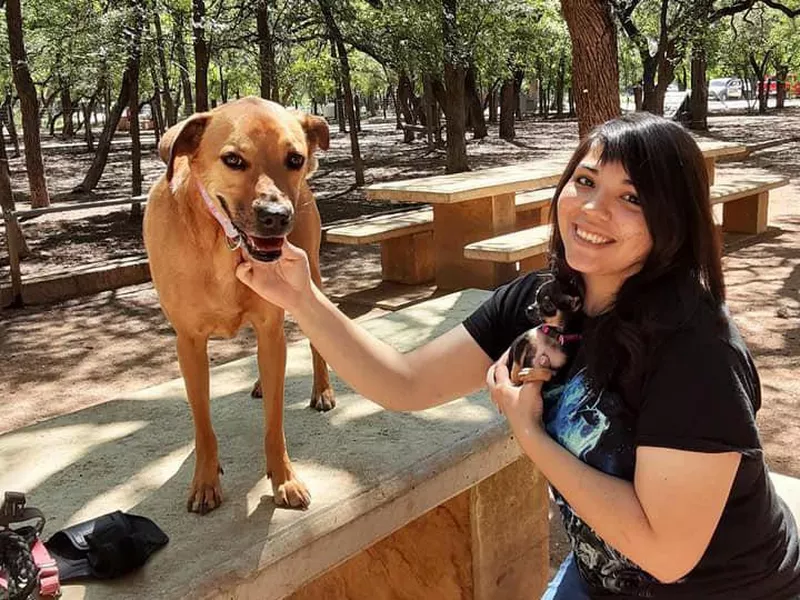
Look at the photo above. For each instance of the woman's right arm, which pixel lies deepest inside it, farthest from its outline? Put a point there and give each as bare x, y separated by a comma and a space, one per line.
443, 369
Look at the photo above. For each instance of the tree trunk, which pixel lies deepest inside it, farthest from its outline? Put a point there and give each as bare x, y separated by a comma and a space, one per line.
649, 100
698, 103
781, 73
133, 110
337, 82
344, 66
159, 122
123, 98
454, 78
201, 55
88, 107
7, 204
170, 110
29, 104
507, 106
183, 64
763, 85
404, 103
562, 72
493, 104
8, 117
266, 52
475, 105
594, 61
67, 109
519, 76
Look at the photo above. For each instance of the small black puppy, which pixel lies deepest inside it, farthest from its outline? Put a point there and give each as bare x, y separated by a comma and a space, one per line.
537, 353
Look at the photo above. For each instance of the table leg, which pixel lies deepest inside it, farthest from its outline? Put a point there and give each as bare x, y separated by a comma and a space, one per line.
746, 215
710, 168
459, 224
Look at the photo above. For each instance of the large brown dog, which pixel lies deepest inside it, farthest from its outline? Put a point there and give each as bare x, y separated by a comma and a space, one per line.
250, 159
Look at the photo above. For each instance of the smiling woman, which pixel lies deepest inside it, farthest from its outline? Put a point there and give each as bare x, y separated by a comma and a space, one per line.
647, 432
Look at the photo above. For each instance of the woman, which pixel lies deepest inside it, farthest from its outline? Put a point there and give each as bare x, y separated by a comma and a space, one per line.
648, 436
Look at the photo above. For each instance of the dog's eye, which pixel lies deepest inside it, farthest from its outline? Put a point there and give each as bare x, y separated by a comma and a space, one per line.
234, 161
295, 161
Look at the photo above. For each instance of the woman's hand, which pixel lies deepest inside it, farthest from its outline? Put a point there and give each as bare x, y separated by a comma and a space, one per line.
522, 406
285, 281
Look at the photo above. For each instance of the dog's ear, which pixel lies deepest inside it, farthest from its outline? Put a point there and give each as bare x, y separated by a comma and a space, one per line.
317, 131
183, 138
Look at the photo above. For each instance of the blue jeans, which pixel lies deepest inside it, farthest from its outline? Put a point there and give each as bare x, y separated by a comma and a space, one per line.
567, 583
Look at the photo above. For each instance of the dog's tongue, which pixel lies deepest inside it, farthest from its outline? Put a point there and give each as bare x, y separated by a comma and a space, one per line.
266, 244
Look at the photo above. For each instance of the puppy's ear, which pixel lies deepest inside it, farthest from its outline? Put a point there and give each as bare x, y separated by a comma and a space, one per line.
317, 131
183, 138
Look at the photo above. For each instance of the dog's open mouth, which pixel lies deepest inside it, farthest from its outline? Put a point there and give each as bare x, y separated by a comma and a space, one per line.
263, 249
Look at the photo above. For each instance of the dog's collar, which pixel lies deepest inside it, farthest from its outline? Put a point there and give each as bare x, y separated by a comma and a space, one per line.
232, 236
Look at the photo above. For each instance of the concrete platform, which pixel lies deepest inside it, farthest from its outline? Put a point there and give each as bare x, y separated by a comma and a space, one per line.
369, 471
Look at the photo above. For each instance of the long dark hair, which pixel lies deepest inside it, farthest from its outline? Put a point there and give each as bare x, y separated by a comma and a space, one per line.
683, 270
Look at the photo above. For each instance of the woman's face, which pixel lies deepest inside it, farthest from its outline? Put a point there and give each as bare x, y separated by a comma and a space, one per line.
601, 221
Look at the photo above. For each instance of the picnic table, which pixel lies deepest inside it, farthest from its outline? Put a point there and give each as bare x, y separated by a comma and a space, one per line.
435, 504
477, 205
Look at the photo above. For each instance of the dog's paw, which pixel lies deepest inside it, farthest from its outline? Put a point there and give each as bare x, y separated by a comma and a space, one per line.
205, 493
291, 494
323, 401
256, 391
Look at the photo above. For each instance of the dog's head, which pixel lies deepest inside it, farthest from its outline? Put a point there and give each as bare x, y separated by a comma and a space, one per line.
252, 156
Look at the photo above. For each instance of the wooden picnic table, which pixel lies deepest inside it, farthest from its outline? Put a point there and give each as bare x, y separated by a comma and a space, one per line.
477, 205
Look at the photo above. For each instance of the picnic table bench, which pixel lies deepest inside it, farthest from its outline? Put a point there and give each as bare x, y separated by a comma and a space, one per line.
435, 504
478, 205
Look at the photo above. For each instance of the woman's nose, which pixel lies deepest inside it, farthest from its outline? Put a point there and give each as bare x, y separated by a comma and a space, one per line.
598, 203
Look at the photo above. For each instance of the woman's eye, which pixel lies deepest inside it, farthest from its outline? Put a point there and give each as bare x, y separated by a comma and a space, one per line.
295, 161
630, 198
584, 181
234, 161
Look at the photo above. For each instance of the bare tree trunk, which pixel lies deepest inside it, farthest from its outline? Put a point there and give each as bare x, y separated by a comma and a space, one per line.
507, 106
88, 107
337, 81
404, 105
29, 103
183, 64
594, 61
519, 76
698, 103
760, 70
7, 203
781, 73
562, 71
170, 110
266, 52
455, 67
8, 119
344, 67
159, 121
67, 110
125, 97
475, 104
201, 55
493, 104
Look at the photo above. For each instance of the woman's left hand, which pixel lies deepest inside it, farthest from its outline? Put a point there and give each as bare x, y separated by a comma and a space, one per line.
522, 406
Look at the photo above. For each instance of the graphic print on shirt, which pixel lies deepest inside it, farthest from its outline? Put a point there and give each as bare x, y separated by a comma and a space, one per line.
591, 425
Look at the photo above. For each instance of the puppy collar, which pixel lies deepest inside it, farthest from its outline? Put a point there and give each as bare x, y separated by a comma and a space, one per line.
232, 236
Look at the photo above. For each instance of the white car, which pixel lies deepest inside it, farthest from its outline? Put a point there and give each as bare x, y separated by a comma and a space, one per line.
725, 88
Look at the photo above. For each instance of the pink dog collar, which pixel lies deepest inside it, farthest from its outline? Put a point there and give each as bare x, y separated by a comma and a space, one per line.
232, 236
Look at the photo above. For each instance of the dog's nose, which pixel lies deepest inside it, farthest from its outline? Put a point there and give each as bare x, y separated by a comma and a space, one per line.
273, 215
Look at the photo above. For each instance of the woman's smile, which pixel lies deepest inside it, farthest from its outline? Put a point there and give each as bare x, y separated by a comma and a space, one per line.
590, 237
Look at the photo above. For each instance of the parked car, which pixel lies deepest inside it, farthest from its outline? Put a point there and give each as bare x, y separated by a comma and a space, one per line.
792, 84
725, 88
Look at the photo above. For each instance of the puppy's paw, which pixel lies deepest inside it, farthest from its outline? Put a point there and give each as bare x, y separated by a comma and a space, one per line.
205, 493
292, 493
256, 391
323, 401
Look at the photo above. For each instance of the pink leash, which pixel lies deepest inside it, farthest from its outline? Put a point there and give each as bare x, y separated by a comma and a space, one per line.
232, 236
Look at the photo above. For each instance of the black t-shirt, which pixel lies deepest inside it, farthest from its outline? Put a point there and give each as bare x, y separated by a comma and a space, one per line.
701, 396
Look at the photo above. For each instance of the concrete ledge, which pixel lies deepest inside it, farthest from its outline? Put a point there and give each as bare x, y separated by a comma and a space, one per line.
86, 280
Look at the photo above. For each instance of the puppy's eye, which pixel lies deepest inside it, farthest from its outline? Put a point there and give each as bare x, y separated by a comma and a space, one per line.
234, 161
295, 161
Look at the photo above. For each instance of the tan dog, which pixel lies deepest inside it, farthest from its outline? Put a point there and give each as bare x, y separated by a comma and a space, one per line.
250, 159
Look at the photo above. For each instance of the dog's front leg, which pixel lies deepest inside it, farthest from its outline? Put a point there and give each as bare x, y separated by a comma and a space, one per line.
287, 489
206, 492
322, 396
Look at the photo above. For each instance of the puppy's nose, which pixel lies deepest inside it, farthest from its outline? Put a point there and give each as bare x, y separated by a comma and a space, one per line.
273, 215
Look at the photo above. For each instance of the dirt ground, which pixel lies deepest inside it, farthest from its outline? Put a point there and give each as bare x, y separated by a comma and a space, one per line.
77, 353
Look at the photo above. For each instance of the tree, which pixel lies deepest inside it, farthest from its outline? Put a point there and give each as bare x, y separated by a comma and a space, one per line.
594, 61
29, 104
201, 55
455, 68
